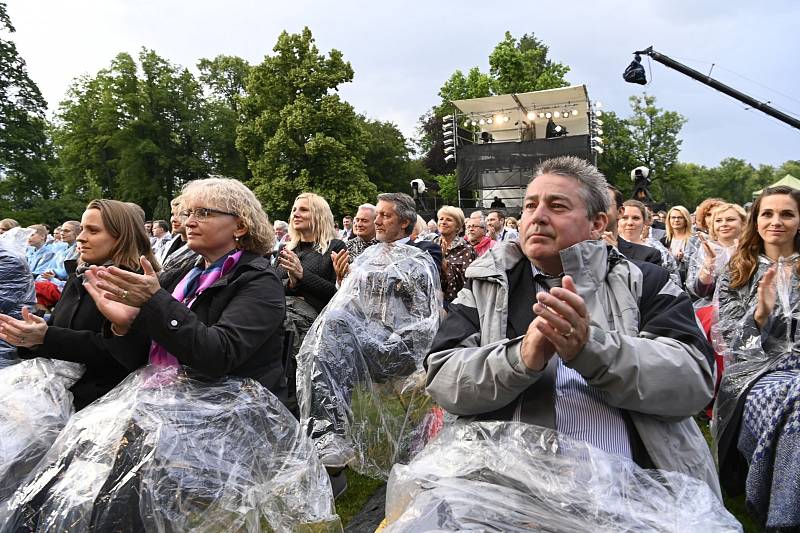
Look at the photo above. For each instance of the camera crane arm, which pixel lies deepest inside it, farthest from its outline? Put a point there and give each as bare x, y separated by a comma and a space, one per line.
714, 84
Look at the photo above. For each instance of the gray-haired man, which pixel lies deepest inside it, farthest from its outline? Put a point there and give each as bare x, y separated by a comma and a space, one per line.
561, 331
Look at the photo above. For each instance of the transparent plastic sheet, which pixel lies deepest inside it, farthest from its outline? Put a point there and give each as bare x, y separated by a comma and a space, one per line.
163, 452
508, 476
667, 260
16, 282
360, 382
36, 405
748, 352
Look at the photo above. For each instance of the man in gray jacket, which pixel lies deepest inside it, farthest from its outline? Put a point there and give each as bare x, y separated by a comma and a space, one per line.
561, 331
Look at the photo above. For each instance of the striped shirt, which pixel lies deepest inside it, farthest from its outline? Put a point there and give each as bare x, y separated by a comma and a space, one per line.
581, 410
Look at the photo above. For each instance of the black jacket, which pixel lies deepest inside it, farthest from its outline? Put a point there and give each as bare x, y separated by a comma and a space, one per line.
235, 327
638, 252
75, 334
433, 249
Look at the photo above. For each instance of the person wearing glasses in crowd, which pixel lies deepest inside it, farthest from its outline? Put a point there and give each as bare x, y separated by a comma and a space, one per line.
222, 315
111, 233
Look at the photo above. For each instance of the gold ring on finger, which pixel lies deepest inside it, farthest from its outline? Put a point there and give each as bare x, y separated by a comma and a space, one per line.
568, 333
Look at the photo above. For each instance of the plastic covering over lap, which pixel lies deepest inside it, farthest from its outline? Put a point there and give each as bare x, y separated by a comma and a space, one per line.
16, 282
36, 405
163, 452
506, 476
748, 352
359, 371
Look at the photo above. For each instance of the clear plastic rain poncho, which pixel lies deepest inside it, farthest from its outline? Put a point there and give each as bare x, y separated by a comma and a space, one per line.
16, 282
701, 294
748, 352
36, 405
360, 381
163, 452
514, 477
757, 410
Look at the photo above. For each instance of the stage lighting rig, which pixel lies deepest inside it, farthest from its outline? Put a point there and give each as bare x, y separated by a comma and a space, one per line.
554, 130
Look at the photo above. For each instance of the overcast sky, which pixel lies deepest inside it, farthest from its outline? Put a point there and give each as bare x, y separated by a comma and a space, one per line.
402, 54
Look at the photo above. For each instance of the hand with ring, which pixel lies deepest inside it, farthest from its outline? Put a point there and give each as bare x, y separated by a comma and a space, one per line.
26, 333
562, 318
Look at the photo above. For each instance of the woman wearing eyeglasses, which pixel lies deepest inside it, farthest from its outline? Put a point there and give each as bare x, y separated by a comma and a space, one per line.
221, 316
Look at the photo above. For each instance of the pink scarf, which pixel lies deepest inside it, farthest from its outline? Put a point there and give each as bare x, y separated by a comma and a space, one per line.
190, 287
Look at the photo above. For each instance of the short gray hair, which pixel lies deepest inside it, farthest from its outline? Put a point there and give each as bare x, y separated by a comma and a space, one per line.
594, 187
404, 206
366, 206
280, 224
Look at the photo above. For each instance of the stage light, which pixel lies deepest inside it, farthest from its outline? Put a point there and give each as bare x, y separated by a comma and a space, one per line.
598, 131
489, 120
474, 123
449, 158
565, 113
448, 125
449, 150
506, 118
556, 114
598, 149
548, 115
598, 122
597, 140
531, 115
541, 115
481, 122
598, 113
447, 117
466, 123
574, 112
558, 129
447, 134
554, 130
598, 105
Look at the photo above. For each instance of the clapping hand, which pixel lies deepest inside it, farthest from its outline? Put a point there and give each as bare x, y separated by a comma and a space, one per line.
289, 261
341, 264
25, 333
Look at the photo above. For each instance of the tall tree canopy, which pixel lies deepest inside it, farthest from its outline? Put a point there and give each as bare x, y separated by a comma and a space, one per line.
25, 150
135, 131
297, 134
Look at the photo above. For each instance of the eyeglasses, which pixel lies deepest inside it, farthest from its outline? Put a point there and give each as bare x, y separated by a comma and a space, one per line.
203, 213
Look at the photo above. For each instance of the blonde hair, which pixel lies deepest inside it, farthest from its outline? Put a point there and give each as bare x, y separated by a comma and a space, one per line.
322, 231
455, 212
721, 208
8, 223
233, 196
686, 217
124, 224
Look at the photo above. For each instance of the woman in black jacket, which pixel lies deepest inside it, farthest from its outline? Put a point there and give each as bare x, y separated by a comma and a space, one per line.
223, 315
112, 233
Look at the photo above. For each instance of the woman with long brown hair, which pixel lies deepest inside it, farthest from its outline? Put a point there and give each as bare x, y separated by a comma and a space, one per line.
111, 233
756, 425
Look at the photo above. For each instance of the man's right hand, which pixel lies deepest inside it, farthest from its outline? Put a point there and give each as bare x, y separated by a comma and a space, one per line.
341, 264
536, 350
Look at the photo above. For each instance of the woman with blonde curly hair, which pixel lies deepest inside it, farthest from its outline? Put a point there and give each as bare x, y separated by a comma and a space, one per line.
220, 316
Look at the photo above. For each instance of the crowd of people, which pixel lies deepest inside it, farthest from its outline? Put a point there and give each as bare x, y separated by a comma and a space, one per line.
591, 315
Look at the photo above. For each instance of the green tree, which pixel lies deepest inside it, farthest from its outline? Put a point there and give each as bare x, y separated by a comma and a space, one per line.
617, 159
387, 156
25, 152
655, 142
297, 134
225, 79
133, 130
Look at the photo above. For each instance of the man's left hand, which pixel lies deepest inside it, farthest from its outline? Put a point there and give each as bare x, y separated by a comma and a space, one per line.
566, 319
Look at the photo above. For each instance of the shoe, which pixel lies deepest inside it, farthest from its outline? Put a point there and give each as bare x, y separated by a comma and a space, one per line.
338, 483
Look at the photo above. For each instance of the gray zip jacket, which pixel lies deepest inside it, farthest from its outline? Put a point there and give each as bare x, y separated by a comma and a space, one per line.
645, 351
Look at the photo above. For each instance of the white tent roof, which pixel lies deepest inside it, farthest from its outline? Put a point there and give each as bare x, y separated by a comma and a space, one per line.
516, 107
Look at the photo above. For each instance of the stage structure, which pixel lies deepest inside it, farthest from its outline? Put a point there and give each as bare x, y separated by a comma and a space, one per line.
497, 141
